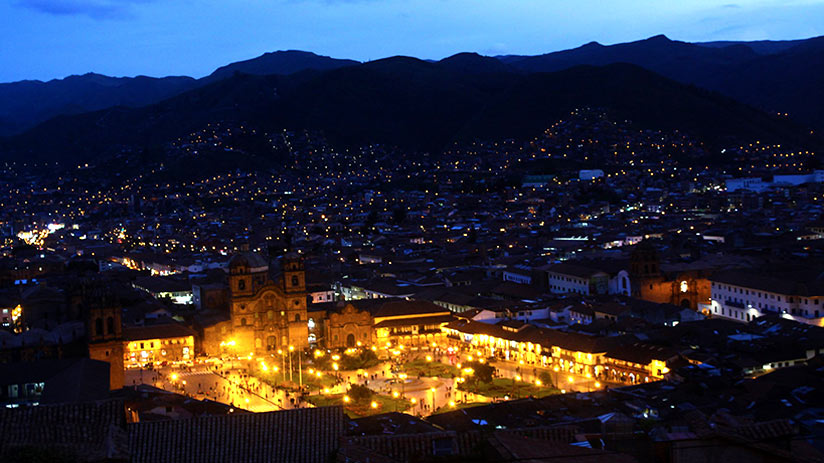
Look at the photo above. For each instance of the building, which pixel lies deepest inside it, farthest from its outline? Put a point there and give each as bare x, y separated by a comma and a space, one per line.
170, 342
579, 278
348, 326
52, 381
411, 323
267, 313
744, 296
637, 363
105, 334
687, 288
177, 290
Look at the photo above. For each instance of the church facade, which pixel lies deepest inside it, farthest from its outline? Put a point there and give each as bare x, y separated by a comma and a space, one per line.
267, 314
687, 288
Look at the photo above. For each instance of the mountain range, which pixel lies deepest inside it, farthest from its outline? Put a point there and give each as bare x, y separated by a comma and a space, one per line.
716, 90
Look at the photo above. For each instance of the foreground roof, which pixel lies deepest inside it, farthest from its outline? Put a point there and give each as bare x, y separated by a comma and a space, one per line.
308, 435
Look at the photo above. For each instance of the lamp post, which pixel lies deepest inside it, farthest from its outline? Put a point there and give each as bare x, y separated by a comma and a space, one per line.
402, 376
433, 398
282, 364
291, 349
300, 371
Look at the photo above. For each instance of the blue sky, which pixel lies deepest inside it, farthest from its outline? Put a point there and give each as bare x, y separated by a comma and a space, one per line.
45, 39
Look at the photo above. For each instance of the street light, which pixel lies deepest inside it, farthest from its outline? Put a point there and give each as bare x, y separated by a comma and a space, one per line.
282, 363
433, 390
291, 349
402, 376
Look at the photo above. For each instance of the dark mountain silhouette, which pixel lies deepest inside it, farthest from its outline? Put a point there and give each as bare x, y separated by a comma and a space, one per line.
682, 61
279, 62
781, 77
411, 103
776, 76
762, 47
26, 103
475, 63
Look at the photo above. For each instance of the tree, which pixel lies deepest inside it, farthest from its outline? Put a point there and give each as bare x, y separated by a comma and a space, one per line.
545, 377
481, 372
360, 393
363, 359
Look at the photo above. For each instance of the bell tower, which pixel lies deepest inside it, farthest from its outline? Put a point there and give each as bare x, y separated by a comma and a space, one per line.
293, 283
645, 269
294, 274
105, 335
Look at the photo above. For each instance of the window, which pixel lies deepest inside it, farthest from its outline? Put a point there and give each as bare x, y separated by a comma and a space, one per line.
110, 325
297, 317
684, 286
241, 285
243, 322
294, 280
270, 314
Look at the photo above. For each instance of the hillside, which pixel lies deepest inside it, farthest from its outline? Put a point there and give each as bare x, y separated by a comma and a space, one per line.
781, 77
411, 103
27, 103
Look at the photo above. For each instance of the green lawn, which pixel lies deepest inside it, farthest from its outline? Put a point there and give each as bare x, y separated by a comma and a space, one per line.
360, 409
420, 367
501, 387
276, 379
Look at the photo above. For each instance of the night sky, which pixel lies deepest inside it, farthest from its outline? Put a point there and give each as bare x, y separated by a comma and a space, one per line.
45, 39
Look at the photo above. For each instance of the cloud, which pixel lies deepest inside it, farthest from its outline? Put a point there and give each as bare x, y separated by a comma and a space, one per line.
97, 9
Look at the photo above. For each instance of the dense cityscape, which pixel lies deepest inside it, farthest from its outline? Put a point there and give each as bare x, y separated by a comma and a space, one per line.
445, 289
605, 253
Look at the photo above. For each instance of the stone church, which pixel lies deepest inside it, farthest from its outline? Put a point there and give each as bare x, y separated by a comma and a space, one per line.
657, 282
267, 313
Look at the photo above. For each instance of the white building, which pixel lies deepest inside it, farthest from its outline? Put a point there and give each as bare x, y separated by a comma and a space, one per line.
568, 277
520, 274
758, 185
755, 184
744, 297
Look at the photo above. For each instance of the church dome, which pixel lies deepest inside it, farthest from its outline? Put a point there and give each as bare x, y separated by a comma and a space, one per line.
247, 262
